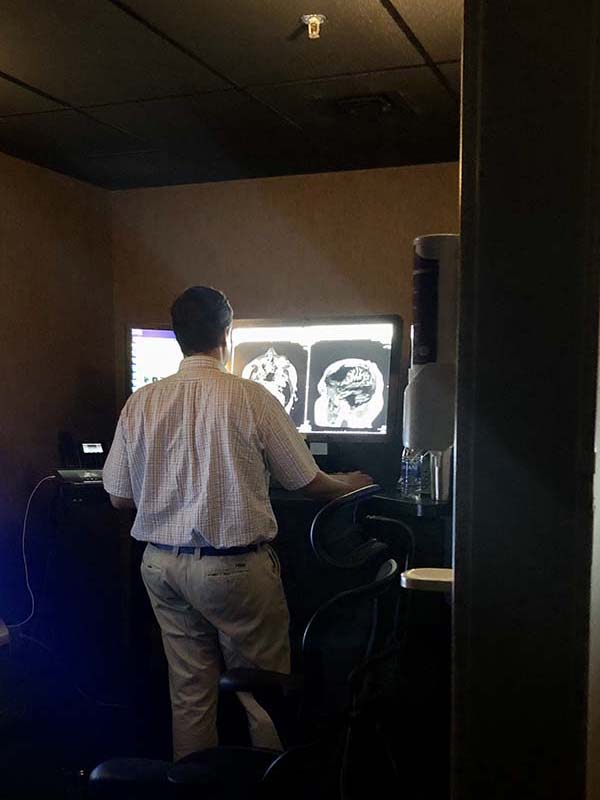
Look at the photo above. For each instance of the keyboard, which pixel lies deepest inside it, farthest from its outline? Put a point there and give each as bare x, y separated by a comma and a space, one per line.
79, 475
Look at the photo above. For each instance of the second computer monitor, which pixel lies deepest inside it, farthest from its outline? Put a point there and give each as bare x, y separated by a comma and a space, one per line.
334, 377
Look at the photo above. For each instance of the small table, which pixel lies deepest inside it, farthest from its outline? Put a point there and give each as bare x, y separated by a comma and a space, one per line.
429, 579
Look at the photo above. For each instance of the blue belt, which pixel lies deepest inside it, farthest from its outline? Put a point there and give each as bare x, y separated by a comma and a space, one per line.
208, 551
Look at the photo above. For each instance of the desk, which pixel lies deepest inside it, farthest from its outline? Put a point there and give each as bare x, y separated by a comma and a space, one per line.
429, 522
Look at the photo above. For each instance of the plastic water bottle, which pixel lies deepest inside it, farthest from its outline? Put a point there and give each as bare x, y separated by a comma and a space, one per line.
415, 474
410, 474
426, 460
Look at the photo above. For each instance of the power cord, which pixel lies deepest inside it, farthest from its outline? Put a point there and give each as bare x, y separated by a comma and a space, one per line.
25, 566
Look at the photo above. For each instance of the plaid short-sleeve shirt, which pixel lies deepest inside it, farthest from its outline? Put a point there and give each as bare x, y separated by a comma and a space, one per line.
194, 452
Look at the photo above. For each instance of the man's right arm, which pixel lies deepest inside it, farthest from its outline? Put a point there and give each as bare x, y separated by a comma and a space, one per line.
292, 463
328, 487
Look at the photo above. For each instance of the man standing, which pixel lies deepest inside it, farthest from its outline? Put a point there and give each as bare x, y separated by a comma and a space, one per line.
192, 453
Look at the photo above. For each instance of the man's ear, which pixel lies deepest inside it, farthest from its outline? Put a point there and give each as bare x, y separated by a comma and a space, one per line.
225, 345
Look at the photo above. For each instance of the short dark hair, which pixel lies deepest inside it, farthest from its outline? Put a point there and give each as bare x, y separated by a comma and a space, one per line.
200, 315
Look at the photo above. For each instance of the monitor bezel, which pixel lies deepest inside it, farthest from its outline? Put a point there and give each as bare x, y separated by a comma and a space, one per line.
396, 364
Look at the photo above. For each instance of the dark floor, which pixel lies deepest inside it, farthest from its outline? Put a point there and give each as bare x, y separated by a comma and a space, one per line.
54, 729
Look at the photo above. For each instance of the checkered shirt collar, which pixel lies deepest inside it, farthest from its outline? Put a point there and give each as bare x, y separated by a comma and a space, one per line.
201, 362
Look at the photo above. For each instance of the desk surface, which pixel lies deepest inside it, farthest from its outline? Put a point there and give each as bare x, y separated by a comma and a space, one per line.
409, 508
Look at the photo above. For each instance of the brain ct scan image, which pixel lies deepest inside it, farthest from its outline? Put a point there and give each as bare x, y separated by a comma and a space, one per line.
280, 367
350, 394
348, 386
277, 374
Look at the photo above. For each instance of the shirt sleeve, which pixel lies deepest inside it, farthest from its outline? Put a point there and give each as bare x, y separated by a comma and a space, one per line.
288, 457
115, 473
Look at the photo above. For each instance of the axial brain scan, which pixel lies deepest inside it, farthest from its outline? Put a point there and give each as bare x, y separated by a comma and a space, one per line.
277, 374
350, 394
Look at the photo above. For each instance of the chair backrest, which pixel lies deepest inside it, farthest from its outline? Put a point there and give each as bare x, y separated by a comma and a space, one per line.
339, 638
351, 544
337, 539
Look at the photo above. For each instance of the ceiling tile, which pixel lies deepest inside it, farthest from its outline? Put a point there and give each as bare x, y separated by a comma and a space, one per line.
321, 104
437, 24
227, 133
15, 99
375, 119
132, 170
54, 137
87, 52
263, 42
154, 168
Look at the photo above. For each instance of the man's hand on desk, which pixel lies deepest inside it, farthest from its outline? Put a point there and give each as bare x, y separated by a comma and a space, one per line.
328, 487
353, 480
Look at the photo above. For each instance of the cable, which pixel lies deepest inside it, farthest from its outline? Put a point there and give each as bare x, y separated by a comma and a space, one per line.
27, 583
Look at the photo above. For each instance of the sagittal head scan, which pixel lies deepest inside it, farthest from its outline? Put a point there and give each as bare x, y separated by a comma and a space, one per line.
277, 374
350, 394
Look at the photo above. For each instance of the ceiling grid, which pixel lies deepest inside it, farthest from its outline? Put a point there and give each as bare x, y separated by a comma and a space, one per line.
148, 92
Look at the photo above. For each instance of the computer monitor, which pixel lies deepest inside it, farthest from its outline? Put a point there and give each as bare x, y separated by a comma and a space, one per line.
336, 377
153, 354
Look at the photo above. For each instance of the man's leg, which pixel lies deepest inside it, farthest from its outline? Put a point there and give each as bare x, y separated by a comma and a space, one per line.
255, 632
263, 732
192, 649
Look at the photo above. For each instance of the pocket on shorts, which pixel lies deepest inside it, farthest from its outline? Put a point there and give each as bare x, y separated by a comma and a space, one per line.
151, 563
227, 569
275, 563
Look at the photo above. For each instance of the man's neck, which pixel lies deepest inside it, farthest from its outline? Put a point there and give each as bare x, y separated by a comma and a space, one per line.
216, 353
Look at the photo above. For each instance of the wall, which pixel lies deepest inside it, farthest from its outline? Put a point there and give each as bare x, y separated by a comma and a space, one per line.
318, 244
303, 245
56, 339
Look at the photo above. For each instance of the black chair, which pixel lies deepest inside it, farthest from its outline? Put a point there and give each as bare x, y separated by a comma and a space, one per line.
338, 540
320, 709
351, 543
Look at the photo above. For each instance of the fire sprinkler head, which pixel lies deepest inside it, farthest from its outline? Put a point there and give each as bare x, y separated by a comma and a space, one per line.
313, 23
